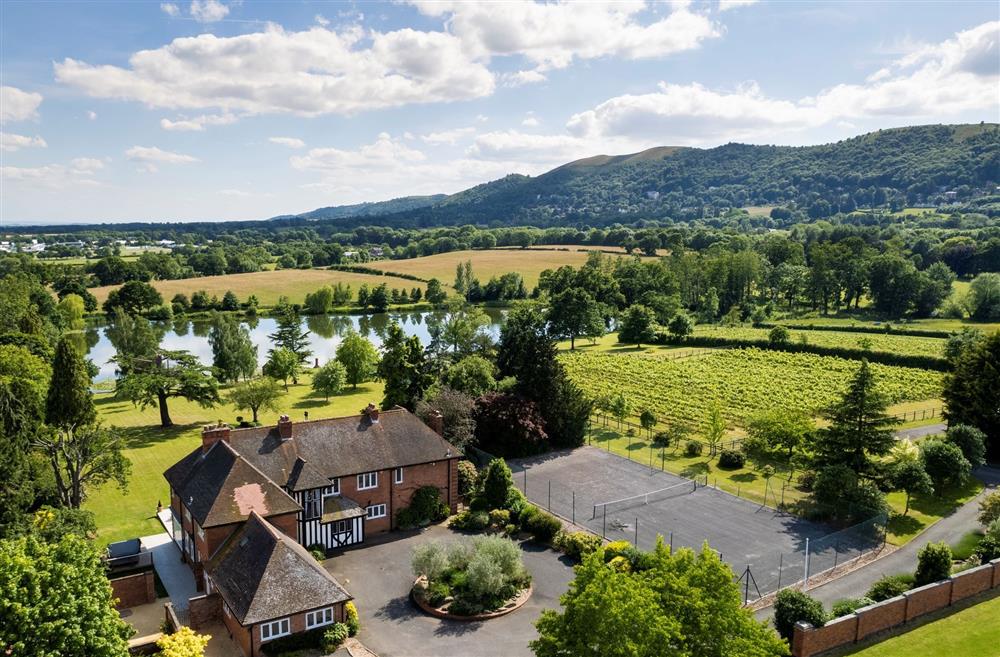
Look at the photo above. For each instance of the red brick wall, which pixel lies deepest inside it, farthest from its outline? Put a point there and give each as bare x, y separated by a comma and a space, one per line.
204, 610
239, 634
808, 641
298, 624
287, 523
881, 616
134, 590
418, 476
970, 582
927, 598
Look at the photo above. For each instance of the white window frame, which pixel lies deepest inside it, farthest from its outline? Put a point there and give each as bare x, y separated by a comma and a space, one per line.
312, 500
325, 616
275, 629
333, 488
341, 527
368, 480
371, 511
397, 476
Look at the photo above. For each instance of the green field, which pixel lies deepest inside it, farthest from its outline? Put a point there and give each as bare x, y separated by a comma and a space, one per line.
485, 264
153, 449
971, 632
269, 285
744, 381
934, 324
896, 344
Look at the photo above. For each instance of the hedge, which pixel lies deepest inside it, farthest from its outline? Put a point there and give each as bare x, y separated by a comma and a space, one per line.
884, 330
358, 269
883, 357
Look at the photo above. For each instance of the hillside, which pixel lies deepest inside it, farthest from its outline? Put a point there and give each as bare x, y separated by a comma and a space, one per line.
370, 209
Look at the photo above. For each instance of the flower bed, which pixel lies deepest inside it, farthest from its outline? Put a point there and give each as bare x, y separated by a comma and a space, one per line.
474, 579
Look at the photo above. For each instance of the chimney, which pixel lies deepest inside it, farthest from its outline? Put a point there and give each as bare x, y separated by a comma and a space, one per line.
372, 412
285, 427
212, 434
436, 421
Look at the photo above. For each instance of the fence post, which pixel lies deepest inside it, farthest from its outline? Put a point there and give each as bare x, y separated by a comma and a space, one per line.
636, 541
604, 523
781, 562
836, 554
574, 506
525, 491
550, 496
805, 578
628, 449
671, 542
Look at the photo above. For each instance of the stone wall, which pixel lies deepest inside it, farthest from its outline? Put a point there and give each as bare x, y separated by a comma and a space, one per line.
808, 640
134, 590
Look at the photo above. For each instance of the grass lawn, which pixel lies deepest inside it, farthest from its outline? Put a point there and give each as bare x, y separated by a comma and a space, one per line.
269, 285
153, 449
963, 548
971, 632
748, 483
485, 264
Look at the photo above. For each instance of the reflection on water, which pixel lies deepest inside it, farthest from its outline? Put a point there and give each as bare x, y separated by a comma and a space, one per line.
325, 333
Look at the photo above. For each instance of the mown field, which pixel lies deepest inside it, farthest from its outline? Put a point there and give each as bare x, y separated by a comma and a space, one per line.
932, 324
152, 449
269, 285
744, 381
971, 632
485, 264
896, 344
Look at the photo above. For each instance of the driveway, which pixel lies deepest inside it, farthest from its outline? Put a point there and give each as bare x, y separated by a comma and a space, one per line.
391, 625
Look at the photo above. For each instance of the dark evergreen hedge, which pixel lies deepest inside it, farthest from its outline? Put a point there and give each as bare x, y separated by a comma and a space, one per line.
882, 330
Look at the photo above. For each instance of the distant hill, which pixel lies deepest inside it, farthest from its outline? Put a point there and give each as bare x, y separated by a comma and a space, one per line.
369, 209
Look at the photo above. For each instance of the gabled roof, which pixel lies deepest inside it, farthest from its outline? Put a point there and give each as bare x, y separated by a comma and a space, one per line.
338, 447
219, 487
264, 574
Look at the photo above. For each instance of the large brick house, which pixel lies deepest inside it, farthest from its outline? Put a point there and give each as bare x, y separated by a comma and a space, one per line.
328, 483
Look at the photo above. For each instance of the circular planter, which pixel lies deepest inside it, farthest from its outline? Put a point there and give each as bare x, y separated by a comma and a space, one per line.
442, 612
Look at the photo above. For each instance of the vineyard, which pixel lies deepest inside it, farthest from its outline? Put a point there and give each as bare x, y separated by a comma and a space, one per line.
745, 381
896, 344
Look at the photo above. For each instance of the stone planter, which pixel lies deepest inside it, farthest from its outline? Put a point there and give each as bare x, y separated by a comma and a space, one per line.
442, 612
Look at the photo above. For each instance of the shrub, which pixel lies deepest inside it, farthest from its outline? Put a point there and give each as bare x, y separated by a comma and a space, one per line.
933, 563
429, 560
182, 643
299, 641
467, 475
778, 335
807, 480
692, 448
425, 504
543, 526
335, 636
848, 606
352, 621
989, 508
510, 530
661, 439
499, 518
496, 484
889, 586
792, 606
528, 511
971, 441
406, 518
576, 545
989, 547
465, 607
471, 521
437, 593
732, 459
615, 549
318, 551
945, 464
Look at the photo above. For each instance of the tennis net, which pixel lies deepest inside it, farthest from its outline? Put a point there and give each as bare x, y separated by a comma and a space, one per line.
642, 499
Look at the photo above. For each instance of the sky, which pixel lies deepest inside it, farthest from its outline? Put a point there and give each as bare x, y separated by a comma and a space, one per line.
220, 110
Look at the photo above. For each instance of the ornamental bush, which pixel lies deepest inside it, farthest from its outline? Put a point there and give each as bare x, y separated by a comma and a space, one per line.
470, 521
182, 643
335, 636
889, 586
576, 545
352, 621
792, 606
848, 606
692, 448
543, 526
467, 475
933, 564
732, 459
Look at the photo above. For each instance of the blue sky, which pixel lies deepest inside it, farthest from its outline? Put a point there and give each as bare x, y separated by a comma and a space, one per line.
214, 110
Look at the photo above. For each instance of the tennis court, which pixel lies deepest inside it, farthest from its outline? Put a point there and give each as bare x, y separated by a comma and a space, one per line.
623, 499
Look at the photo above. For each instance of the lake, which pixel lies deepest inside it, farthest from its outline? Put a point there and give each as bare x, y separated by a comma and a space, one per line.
325, 333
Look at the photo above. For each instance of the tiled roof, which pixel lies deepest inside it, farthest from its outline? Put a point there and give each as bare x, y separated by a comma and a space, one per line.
263, 574
339, 447
219, 487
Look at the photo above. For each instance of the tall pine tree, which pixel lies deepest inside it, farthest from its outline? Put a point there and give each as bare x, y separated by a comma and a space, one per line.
289, 334
69, 401
403, 368
859, 427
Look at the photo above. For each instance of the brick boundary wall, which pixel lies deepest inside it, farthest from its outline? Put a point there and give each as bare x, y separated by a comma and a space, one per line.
134, 590
808, 640
204, 610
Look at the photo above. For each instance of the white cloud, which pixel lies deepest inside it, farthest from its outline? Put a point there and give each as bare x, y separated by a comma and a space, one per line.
552, 35
530, 122
170, 9
725, 5
291, 142
385, 152
198, 123
18, 105
86, 164
149, 157
208, 11
11, 142
450, 137
92, 115
945, 79
308, 73
522, 147
321, 20
522, 77
53, 176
